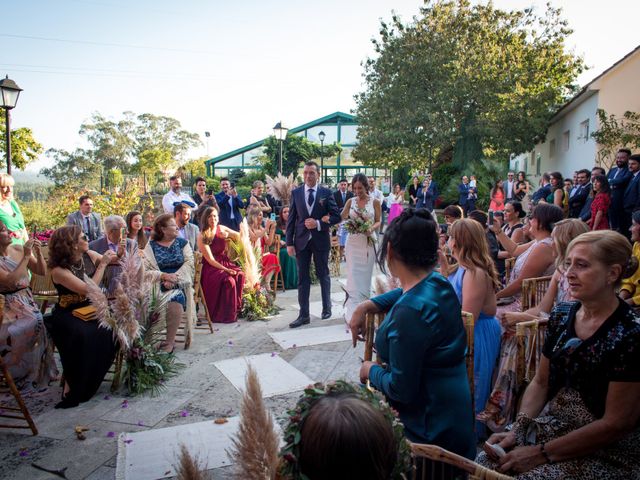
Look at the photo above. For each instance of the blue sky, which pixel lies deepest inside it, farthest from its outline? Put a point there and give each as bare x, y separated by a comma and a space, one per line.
232, 68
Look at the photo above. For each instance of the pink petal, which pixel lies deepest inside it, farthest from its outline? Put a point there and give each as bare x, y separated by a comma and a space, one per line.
23, 452
107, 397
140, 424
273, 354
128, 441
111, 434
184, 413
294, 346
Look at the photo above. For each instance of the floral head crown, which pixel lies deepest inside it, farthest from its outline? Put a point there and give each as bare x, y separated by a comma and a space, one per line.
290, 468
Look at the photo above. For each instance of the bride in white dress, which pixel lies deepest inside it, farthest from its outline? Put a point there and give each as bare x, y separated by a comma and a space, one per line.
359, 250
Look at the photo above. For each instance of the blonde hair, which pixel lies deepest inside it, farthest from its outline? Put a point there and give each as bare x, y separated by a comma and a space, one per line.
6, 180
252, 213
609, 248
472, 247
563, 232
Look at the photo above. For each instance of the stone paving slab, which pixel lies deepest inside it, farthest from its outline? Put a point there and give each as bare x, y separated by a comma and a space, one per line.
305, 336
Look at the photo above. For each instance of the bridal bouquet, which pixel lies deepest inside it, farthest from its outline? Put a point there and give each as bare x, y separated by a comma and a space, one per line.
360, 223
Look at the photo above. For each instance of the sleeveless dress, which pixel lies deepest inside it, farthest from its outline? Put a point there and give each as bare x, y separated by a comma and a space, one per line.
269, 260
497, 201
25, 346
222, 292
169, 260
360, 256
288, 264
86, 350
486, 348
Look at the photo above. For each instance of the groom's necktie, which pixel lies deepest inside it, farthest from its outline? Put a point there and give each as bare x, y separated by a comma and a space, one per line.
310, 198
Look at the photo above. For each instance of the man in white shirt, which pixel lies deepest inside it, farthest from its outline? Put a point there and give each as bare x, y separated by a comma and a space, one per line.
377, 195
174, 195
509, 186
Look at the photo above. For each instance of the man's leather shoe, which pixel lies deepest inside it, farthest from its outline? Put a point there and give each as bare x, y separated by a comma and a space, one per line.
326, 315
298, 322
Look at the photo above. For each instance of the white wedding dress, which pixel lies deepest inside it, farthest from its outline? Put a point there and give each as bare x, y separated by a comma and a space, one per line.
360, 256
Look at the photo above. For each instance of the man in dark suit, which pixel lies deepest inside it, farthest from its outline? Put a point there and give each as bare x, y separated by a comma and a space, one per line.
89, 221
312, 212
544, 191
579, 195
631, 199
428, 193
230, 204
341, 195
618, 178
463, 193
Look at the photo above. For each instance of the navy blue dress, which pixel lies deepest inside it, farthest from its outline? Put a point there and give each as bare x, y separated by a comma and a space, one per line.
169, 260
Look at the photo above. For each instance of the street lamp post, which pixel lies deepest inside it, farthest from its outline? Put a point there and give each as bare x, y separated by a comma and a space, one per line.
207, 135
280, 133
323, 177
10, 92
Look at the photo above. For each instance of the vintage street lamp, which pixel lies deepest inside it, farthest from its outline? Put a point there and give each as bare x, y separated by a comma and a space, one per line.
280, 133
9, 93
321, 136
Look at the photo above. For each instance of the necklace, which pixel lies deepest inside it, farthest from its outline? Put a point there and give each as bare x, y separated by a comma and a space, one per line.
77, 268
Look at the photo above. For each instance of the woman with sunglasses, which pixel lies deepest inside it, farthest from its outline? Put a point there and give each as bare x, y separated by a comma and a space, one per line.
588, 381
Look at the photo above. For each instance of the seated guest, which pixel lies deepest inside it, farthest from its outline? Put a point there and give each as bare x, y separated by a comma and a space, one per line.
512, 224
186, 230
262, 238
222, 280
601, 195
230, 204
287, 263
475, 280
630, 290
494, 247
86, 350
24, 343
135, 229
85, 218
170, 259
257, 199
452, 213
113, 226
533, 259
558, 291
202, 197
422, 341
175, 195
588, 380
10, 213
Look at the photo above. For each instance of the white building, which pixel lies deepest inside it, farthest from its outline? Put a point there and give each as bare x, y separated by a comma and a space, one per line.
568, 145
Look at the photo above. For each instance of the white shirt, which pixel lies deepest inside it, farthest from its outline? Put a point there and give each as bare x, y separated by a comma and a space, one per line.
377, 195
170, 198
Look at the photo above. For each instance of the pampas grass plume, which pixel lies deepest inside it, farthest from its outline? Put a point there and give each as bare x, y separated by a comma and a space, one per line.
188, 468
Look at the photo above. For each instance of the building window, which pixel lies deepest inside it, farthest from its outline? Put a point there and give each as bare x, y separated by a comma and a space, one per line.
566, 138
538, 161
584, 131
552, 148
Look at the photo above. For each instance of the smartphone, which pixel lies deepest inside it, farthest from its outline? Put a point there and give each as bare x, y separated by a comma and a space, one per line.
35, 231
209, 192
444, 228
123, 234
273, 217
232, 185
490, 218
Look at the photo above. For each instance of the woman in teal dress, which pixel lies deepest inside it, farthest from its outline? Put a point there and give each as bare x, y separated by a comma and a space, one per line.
422, 341
287, 262
10, 213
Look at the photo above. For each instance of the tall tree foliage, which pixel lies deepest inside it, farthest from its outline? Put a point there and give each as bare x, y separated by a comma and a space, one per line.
295, 150
463, 80
24, 148
615, 133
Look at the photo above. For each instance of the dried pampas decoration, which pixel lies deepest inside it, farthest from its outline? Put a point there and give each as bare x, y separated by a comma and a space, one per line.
188, 468
281, 187
251, 265
255, 447
384, 283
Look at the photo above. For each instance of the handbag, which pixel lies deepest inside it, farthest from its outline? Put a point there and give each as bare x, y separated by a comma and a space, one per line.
86, 314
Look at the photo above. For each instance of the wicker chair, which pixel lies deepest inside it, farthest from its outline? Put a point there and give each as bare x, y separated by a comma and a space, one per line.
530, 339
17, 415
43, 290
278, 278
372, 322
509, 263
335, 259
433, 463
533, 290
469, 325
197, 291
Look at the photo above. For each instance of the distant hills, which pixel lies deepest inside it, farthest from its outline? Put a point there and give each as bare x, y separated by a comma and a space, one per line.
30, 177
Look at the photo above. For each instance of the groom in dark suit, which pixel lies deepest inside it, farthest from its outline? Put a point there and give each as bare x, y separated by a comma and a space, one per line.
312, 212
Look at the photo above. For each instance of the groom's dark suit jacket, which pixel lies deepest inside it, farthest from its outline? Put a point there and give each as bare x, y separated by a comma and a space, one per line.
297, 234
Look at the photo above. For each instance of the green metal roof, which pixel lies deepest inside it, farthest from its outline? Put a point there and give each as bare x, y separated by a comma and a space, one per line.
341, 117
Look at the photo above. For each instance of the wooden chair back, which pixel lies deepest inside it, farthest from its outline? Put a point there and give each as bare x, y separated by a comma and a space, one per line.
434, 463
530, 339
373, 320
278, 278
533, 290
43, 290
469, 327
335, 256
18, 416
197, 290
509, 263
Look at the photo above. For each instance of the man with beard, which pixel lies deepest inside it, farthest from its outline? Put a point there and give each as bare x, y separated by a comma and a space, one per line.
618, 178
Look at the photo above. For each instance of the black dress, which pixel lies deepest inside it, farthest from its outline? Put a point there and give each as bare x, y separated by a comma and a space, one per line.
86, 350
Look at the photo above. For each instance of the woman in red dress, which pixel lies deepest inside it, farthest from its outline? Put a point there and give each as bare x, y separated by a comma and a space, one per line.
600, 205
222, 280
497, 197
262, 238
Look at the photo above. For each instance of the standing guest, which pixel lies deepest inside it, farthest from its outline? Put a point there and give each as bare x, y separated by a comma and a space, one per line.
170, 259
257, 198
230, 205
186, 230
85, 218
26, 349
413, 191
630, 289
10, 213
522, 189
569, 186
360, 250
377, 195
618, 178
262, 238
557, 196
598, 171
422, 341
509, 186
545, 189
600, 205
472, 199
203, 197
427, 194
312, 212
452, 213
175, 195
580, 193
588, 379
463, 193
631, 198
86, 350
135, 229
276, 205
475, 280
396, 202
222, 281
113, 240
497, 197
287, 263
341, 196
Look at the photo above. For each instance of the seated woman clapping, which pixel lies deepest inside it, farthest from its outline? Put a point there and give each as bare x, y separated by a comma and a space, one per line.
86, 350
24, 343
262, 238
170, 260
580, 416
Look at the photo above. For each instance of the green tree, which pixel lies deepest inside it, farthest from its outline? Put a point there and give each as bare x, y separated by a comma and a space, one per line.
112, 142
295, 150
615, 133
24, 148
74, 169
154, 132
463, 81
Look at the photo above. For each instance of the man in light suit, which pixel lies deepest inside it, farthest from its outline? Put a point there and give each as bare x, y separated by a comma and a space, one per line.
113, 225
509, 186
89, 221
186, 229
312, 212
618, 178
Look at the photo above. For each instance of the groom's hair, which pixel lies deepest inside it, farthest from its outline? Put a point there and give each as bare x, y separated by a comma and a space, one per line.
311, 163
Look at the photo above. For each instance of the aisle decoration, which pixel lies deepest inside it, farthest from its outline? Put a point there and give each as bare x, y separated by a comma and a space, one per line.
136, 317
281, 187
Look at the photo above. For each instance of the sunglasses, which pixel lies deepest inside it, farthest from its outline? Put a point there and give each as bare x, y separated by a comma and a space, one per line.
83, 237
